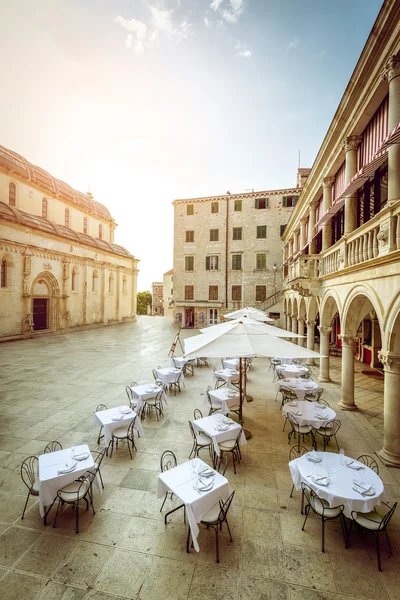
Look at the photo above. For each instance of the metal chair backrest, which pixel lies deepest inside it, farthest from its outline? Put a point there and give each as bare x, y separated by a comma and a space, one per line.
387, 517
317, 395
333, 427
224, 507
85, 483
292, 419
296, 452
52, 447
139, 411
279, 374
29, 469
131, 427
368, 461
129, 393
159, 396
197, 414
192, 430
134, 384
168, 460
223, 464
101, 407
99, 458
154, 374
322, 401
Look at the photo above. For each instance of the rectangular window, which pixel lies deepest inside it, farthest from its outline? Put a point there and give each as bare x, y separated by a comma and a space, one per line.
214, 235
213, 292
236, 262
237, 233
189, 263
190, 236
261, 261
261, 203
236, 293
237, 205
214, 207
261, 293
189, 292
211, 263
289, 201
261, 232
190, 209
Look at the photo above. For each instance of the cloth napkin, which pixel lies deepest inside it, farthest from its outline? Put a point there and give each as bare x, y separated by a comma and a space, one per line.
117, 417
322, 417
296, 412
354, 465
365, 489
67, 467
314, 457
320, 479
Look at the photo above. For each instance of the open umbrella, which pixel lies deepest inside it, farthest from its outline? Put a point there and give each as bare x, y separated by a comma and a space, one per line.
270, 329
248, 311
240, 339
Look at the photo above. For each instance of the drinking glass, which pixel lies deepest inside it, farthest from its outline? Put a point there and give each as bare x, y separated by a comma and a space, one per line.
193, 466
341, 452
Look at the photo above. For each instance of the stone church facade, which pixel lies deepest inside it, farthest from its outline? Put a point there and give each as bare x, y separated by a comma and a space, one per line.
60, 268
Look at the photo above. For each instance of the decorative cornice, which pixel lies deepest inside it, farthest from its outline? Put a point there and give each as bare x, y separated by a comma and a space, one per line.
347, 340
390, 361
392, 69
324, 330
261, 194
352, 142
310, 323
328, 182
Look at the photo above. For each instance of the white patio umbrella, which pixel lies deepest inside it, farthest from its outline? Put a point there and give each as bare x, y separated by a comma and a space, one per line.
248, 311
240, 339
270, 329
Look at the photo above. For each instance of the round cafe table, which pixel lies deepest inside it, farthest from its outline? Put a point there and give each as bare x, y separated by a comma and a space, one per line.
341, 488
292, 370
299, 386
311, 413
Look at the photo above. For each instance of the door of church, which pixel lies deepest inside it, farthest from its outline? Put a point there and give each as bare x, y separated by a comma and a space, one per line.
40, 313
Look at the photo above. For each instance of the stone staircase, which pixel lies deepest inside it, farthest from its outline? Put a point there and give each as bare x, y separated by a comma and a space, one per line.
271, 300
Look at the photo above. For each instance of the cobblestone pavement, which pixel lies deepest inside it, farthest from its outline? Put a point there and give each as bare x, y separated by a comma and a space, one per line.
49, 389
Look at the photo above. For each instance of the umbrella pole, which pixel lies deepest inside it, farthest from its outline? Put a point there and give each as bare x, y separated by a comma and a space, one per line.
242, 392
248, 398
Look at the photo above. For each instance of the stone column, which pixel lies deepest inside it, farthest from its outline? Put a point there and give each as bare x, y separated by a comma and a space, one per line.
295, 240
301, 341
311, 225
392, 74
390, 453
118, 294
350, 146
310, 340
303, 238
285, 320
294, 329
327, 184
324, 350
347, 399
289, 323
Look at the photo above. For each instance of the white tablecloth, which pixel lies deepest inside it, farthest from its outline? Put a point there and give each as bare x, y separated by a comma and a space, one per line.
299, 386
230, 363
180, 361
180, 481
309, 413
104, 418
141, 392
284, 361
228, 375
51, 482
208, 425
169, 375
292, 370
340, 489
223, 396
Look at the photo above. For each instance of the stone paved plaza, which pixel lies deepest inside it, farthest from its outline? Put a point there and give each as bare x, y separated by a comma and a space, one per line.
49, 390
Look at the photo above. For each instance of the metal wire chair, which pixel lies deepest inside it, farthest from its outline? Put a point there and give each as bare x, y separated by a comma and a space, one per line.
52, 447
214, 406
98, 409
222, 465
176, 385
29, 475
368, 461
328, 431
297, 452
375, 526
197, 414
231, 446
124, 433
321, 507
287, 394
299, 430
314, 396
154, 403
98, 459
81, 489
219, 381
168, 461
129, 393
200, 441
214, 518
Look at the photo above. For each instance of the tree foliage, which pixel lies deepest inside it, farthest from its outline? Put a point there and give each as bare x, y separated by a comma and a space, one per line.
143, 301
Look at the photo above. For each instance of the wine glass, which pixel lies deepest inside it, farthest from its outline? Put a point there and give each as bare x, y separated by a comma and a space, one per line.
341, 452
193, 466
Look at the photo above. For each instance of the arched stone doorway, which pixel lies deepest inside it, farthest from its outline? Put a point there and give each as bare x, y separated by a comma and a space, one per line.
45, 294
329, 310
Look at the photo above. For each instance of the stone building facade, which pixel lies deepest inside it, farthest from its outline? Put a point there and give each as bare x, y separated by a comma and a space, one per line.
228, 254
157, 299
60, 268
168, 293
341, 275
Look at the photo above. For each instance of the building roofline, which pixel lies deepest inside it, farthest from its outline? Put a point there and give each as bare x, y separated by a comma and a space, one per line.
294, 190
170, 272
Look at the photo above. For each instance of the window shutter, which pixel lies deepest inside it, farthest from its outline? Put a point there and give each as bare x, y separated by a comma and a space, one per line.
266, 202
256, 203
284, 202
207, 263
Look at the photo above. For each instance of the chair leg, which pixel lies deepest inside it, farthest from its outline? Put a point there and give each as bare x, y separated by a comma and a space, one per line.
378, 552
291, 493
26, 504
112, 446
307, 510
188, 541
77, 516
344, 529
387, 537
101, 479
323, 534
229, 531
162, 505
129, 448
217, 544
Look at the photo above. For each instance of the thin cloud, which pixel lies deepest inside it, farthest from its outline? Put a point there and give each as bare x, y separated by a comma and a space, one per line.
242, 50
215, 4
293, 43
230, 10
137, 33
207, 22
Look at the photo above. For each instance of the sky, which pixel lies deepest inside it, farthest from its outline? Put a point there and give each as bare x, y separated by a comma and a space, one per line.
147, 101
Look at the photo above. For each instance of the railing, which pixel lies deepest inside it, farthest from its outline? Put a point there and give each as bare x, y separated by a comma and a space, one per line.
273, 299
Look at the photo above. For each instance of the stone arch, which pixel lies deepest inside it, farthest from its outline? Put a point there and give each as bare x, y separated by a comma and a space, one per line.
7, 270
45, 287
295, 310
330, 305
312, 309
359, 302
302, 309
289, 307
391, 326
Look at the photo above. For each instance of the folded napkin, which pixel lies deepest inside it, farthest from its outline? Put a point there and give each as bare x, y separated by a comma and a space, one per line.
149, 390
207, 472
314, 457
354, 465
227, 421
296, 412
322, 417
67, 467
204, 484
309, 387
320, 479
322, 407
80, 456
117, 417
365, 489
222, 427
125, 411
